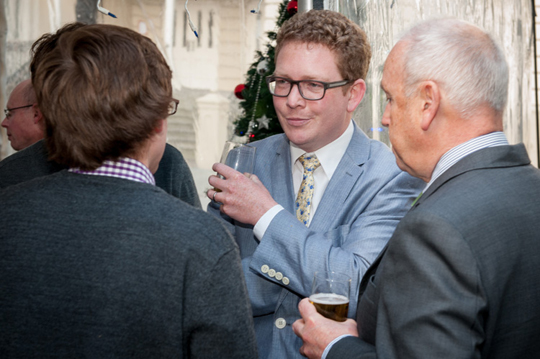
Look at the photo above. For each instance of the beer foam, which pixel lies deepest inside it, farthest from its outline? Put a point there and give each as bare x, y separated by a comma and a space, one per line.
329, 298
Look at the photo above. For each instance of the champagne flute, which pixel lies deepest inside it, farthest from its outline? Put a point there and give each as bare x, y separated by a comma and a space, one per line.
330, 294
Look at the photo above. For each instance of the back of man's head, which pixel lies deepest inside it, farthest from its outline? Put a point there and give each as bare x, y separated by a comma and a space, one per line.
335, 31
463, 59
47, 42
102, 90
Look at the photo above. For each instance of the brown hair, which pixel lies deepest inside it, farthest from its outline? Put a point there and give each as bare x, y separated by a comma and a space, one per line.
342, 36
47, 42
102, 90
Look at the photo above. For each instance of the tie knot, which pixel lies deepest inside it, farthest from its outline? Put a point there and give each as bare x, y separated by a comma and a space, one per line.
310, 162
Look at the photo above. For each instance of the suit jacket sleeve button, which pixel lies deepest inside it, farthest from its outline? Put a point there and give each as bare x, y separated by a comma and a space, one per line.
271, 273
279, 276
285, 280
281, 323
265, 268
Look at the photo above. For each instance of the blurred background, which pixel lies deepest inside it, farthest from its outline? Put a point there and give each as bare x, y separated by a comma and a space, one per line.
209, 67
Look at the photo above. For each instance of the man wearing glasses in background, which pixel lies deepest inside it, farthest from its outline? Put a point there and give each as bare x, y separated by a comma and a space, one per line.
173, 174
351, 194
23, 121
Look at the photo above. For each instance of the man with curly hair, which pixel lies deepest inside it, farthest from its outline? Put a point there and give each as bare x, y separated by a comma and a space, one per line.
351, 194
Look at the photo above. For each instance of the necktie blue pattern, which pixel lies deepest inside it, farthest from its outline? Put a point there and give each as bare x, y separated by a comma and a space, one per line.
305, 193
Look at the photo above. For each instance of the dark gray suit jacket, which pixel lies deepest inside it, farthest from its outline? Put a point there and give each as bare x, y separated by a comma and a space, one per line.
460, 277
103, 267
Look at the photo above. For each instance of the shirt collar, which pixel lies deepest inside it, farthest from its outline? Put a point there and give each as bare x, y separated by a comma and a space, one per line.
452, 156
126, 168
330, 155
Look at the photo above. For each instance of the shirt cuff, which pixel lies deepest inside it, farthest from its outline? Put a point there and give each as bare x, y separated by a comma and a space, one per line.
262, 224
329, 346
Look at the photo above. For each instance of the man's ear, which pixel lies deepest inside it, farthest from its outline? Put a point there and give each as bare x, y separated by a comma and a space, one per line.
38, 116
430, 96
160, 126
356, 94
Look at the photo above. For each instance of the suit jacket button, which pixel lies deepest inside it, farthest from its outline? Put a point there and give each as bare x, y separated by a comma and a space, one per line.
265, 268
285, 280
271, 273
280, 323
279, 276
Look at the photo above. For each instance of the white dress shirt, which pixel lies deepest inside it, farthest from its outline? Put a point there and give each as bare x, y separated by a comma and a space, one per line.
329, 156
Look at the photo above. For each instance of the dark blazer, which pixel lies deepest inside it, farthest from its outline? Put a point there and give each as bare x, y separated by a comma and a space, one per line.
103, 267
460, 277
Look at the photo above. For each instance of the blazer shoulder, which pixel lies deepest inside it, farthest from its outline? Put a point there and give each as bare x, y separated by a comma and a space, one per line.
276, 143
280, 138
363, 149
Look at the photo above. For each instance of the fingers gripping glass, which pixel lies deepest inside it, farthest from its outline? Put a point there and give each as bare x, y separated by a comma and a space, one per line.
309, 89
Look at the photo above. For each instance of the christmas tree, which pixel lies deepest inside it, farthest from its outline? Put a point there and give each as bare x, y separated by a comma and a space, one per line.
258, 119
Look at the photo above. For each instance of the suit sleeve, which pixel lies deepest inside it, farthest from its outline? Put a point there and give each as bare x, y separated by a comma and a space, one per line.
218, 314
352, 347
427, 296
175, 177
297, 252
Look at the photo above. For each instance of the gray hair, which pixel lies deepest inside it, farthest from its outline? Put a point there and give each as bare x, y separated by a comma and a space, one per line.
464, 60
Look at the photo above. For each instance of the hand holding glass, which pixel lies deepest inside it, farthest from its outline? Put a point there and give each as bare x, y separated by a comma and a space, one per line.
330, 295
239, 157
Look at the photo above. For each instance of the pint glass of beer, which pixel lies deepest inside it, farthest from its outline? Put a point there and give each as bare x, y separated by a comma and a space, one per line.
330, 295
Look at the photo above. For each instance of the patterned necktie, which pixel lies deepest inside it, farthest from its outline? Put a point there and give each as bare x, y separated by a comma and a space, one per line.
305, 193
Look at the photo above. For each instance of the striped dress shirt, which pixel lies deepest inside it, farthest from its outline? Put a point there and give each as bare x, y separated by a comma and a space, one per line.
451, 157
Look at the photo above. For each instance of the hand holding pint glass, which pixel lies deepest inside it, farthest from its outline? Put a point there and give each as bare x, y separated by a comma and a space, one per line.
330, 295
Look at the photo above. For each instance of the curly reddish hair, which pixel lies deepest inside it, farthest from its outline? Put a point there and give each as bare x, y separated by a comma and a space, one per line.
343, 37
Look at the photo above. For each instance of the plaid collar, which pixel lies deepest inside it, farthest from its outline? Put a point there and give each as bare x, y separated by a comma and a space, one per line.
126, 168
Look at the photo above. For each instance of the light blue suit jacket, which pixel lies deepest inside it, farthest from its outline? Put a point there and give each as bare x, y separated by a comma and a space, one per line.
363, 202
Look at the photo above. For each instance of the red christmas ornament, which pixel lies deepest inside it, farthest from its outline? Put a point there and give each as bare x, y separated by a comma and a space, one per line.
238, 91
292, 7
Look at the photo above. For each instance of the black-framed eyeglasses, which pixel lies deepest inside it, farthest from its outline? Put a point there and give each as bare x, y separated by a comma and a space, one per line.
7, 111
309, 89
173, 106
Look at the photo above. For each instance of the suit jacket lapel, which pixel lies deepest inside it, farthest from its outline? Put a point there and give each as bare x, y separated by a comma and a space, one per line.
346, 175
280, 171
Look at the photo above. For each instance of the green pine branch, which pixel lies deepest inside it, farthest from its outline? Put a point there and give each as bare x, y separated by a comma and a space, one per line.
254, 107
